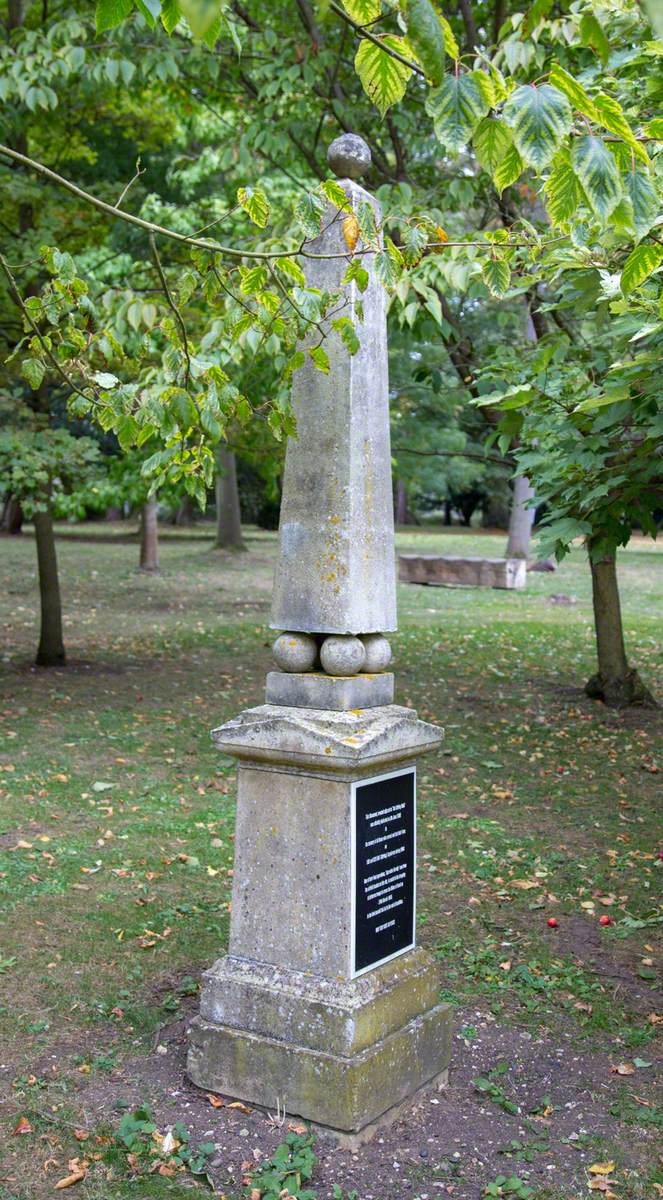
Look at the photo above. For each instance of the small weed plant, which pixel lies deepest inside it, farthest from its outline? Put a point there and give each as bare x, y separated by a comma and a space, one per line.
490, 1087
508, 1185
139, 1145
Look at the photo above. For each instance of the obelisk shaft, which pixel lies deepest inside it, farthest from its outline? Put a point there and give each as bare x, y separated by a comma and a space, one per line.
335, 570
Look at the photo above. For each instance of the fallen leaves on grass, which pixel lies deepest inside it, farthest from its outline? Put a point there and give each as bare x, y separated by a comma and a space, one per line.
23, 1126
623, 1069
601, 1168
605, 1186
77, 1172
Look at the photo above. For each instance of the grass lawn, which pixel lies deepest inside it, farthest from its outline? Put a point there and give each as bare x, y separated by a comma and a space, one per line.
116, 850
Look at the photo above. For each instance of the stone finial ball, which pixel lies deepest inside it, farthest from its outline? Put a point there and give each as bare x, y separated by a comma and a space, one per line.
342, 655
378, 652
348, 156
295, 651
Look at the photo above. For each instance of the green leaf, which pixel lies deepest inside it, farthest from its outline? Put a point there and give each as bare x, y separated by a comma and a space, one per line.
574, 91
426, 37
639, 265
319, 358
644, 201
610, 115
345, 327
534, 16
110, 13
253, 279
33, 370
254, 202
170, 14
450, 43
415, 239
655, 129
383, 78
562, 191
496, 275
363, 11
508, 170
308, 211
386, 269
201, 15
356, 274
336, 194
540, 118
456, 107
597, 171
491, 141
591, 34
150, 9
292, 269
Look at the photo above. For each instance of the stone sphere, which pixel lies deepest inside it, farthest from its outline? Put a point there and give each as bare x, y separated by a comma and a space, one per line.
342, 655
295, 651
378, 652
348, 156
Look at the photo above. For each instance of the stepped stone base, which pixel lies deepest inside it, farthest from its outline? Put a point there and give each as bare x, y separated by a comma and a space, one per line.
373, 1059
446, 570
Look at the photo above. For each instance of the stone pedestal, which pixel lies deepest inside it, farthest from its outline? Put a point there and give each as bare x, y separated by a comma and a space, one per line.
290, 1016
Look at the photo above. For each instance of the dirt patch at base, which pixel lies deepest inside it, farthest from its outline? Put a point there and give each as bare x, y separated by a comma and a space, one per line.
454, 1141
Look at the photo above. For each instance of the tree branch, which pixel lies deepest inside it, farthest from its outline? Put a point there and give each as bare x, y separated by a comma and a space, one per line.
171, 303
150, 226
18, 300
502, 462
363, 32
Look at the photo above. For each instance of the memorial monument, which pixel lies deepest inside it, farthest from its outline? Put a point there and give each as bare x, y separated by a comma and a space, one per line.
324, 1005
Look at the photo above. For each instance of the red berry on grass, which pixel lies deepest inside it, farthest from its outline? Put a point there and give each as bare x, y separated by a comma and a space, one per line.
553, 922
605, 920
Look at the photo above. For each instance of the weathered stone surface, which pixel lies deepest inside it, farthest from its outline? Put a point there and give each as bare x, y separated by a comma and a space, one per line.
295, 652
334, 1015
292, 876
342, 1092
335, 571
451, 571
342, 655
338, 693
349, 156
378, 652
346, 743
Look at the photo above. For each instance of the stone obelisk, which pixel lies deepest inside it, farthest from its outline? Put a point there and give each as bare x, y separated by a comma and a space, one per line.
324, 1004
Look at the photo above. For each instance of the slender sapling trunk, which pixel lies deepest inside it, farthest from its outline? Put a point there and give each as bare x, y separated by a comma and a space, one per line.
149, 536
521, 519
228, 513
617, 684
51, 644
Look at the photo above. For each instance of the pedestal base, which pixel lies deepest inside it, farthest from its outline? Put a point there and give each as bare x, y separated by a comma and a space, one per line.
323, 1006
339, 1053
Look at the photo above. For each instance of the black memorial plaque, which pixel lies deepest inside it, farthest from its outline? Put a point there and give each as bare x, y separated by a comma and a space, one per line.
383, 868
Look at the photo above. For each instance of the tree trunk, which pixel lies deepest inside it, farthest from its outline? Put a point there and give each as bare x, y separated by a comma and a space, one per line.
228, 514
185, 514
521, 519
403, 515
617, 684
12, 516
149, 536
51, 645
